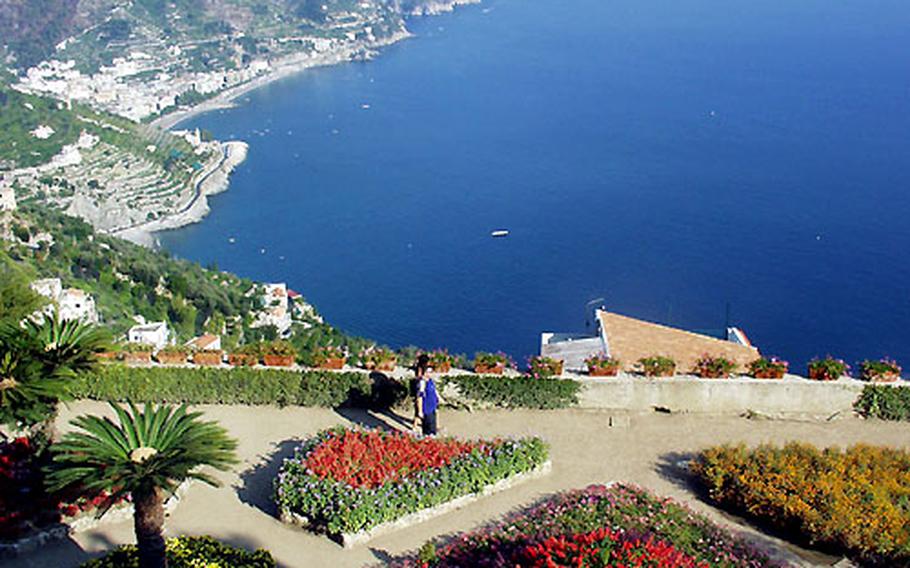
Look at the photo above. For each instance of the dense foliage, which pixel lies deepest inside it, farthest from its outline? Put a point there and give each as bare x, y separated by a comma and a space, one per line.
238, 385
516, 392
568, 523
855, 501
338, 507
885, 402
128, 280
189, 552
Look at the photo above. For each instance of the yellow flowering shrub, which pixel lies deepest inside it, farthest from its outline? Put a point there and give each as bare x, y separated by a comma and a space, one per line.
857, 500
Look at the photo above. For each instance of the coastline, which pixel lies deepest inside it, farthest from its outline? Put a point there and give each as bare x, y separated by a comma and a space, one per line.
212, 181
281, 69
235, 152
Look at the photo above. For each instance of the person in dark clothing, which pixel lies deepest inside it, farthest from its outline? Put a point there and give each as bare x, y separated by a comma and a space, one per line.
426, 399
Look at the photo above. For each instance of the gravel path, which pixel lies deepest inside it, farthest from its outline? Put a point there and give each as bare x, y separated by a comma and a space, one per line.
645, 449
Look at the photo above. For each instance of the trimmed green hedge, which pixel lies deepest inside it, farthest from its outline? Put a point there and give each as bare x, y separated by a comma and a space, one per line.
239, 385
252, 386
885, 402
518, 392
189, 552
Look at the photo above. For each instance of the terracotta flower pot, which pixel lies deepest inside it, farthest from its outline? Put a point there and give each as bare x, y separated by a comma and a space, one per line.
171, 358
334, 363
278, 360
442, 368
820, 375
603, 371
769, 374
496, 369
208, 358
242, 359
712, 375
886, 377
138, 357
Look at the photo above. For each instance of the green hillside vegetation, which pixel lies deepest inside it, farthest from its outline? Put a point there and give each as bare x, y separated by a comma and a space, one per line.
21, 113
127, 280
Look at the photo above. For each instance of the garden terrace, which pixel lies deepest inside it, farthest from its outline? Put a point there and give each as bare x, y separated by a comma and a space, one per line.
584, 449
789, 397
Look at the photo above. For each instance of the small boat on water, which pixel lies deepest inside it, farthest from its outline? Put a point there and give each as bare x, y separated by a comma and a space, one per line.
500, 233
232, 240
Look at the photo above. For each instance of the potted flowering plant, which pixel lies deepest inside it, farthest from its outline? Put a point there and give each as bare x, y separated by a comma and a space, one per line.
541, 367
172, 355
329, 357
379, 359
278, 353
491, 363
768, 368
710, 367
208, 357
881, 371
602, 366
137, 353
441, 361
657, 366
827, 369
245, 355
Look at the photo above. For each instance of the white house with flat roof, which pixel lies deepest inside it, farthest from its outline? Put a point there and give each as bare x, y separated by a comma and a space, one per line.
155, 334
69, 303
275, 308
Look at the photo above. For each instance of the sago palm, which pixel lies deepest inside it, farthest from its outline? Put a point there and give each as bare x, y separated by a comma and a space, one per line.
37, 360
147, 455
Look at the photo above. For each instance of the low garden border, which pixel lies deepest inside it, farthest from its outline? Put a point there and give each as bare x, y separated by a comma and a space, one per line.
117, 514
350, 540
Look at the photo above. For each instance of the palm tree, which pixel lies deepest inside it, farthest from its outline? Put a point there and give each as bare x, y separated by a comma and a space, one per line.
146, 456
37, 361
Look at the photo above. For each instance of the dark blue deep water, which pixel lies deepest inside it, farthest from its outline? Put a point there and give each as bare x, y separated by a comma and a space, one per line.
671, 156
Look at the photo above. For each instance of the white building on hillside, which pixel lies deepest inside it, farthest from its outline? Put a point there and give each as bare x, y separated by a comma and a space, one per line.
275, 310
205, 342
70, 303
7, 197
155, 334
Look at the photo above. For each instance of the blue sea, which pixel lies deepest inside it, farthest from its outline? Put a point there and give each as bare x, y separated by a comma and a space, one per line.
688, 161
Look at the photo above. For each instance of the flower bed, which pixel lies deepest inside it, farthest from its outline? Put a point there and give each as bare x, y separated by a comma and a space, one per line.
189, 552
854, 501
579, 528
348, 481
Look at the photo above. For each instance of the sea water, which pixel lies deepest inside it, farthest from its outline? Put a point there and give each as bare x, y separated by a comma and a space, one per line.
684, 160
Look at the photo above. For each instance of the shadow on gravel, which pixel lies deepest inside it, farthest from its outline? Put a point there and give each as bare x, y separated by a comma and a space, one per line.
384, 419
256, 483
674, 467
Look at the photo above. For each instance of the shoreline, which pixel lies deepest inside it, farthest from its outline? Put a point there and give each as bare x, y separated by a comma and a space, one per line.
282, 69
292, 65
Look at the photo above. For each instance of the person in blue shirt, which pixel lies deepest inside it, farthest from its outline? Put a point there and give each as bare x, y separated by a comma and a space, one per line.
426, 398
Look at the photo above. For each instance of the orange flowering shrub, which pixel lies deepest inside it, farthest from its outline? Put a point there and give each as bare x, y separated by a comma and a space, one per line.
856, 500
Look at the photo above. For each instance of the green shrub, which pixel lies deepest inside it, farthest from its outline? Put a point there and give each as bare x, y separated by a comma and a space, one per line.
885, 402
657, 366
517, 392
238, 385
189, 552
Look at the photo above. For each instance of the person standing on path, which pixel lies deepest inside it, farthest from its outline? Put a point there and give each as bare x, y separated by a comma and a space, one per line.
426, 399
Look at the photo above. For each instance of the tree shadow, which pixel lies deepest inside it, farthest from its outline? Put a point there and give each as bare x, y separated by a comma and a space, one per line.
256, 488
674, 467
384, 419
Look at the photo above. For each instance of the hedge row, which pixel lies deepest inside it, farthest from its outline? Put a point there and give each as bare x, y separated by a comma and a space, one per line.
189, 552
237, 385
243, 385
885, 402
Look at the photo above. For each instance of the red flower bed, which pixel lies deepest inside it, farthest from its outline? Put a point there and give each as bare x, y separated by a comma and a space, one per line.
602, 548
370, 459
